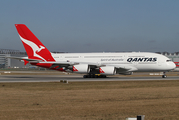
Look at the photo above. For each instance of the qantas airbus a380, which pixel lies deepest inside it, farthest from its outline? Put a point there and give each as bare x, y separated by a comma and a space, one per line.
90, 64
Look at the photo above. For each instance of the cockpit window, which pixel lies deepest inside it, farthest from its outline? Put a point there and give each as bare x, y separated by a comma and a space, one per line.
169, 60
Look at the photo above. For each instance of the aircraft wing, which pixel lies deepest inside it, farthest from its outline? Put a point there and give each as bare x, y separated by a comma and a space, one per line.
119, 68
124, 69
66, 63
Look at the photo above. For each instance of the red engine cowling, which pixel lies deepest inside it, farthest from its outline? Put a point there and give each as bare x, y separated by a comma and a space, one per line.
107, 70
81, 68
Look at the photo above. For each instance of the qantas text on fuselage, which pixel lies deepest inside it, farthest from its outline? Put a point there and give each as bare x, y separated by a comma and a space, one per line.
142, 59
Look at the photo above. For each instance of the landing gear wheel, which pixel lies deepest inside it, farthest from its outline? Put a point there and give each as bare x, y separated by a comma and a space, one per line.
94, 76
103, 76
164, 76
85, 76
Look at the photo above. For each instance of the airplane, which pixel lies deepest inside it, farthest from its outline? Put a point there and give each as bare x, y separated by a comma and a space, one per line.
93, 65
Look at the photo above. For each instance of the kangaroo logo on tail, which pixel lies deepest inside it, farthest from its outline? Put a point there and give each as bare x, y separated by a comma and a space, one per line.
34, 47
41, 47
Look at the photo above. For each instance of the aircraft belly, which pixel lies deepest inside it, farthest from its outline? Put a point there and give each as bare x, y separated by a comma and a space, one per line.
150, 67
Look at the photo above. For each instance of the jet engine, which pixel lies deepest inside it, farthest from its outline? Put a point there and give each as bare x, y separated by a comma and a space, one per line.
81, 68
107, 70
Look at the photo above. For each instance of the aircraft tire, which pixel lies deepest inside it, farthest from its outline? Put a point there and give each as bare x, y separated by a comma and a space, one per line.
84, 76
164, 76
94, 76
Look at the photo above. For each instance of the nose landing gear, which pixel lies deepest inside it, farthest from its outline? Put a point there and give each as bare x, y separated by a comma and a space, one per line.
164, 75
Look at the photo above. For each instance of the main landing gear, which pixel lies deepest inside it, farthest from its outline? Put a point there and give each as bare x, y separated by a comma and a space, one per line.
94, 76
164, 75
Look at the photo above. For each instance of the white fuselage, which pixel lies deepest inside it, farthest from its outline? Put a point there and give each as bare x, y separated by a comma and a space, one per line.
136, 61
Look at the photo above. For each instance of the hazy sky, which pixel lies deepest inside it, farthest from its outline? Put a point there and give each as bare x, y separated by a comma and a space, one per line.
93, 25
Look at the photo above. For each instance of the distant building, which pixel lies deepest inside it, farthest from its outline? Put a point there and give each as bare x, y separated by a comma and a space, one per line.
11, 63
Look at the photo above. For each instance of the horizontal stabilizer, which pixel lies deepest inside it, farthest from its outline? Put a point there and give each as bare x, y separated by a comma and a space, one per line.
25, 59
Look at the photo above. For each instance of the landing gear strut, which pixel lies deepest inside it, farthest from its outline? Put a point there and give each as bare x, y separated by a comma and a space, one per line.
164, 75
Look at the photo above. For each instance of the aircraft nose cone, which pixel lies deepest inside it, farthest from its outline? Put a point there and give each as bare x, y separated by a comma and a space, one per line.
172, 65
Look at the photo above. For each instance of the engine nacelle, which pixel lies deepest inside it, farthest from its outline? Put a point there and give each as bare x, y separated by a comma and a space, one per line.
107, 70
81, 68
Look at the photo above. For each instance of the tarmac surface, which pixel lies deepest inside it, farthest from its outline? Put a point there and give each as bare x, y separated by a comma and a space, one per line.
77, 78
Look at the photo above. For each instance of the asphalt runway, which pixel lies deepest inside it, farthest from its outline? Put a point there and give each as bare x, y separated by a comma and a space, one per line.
76, 78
